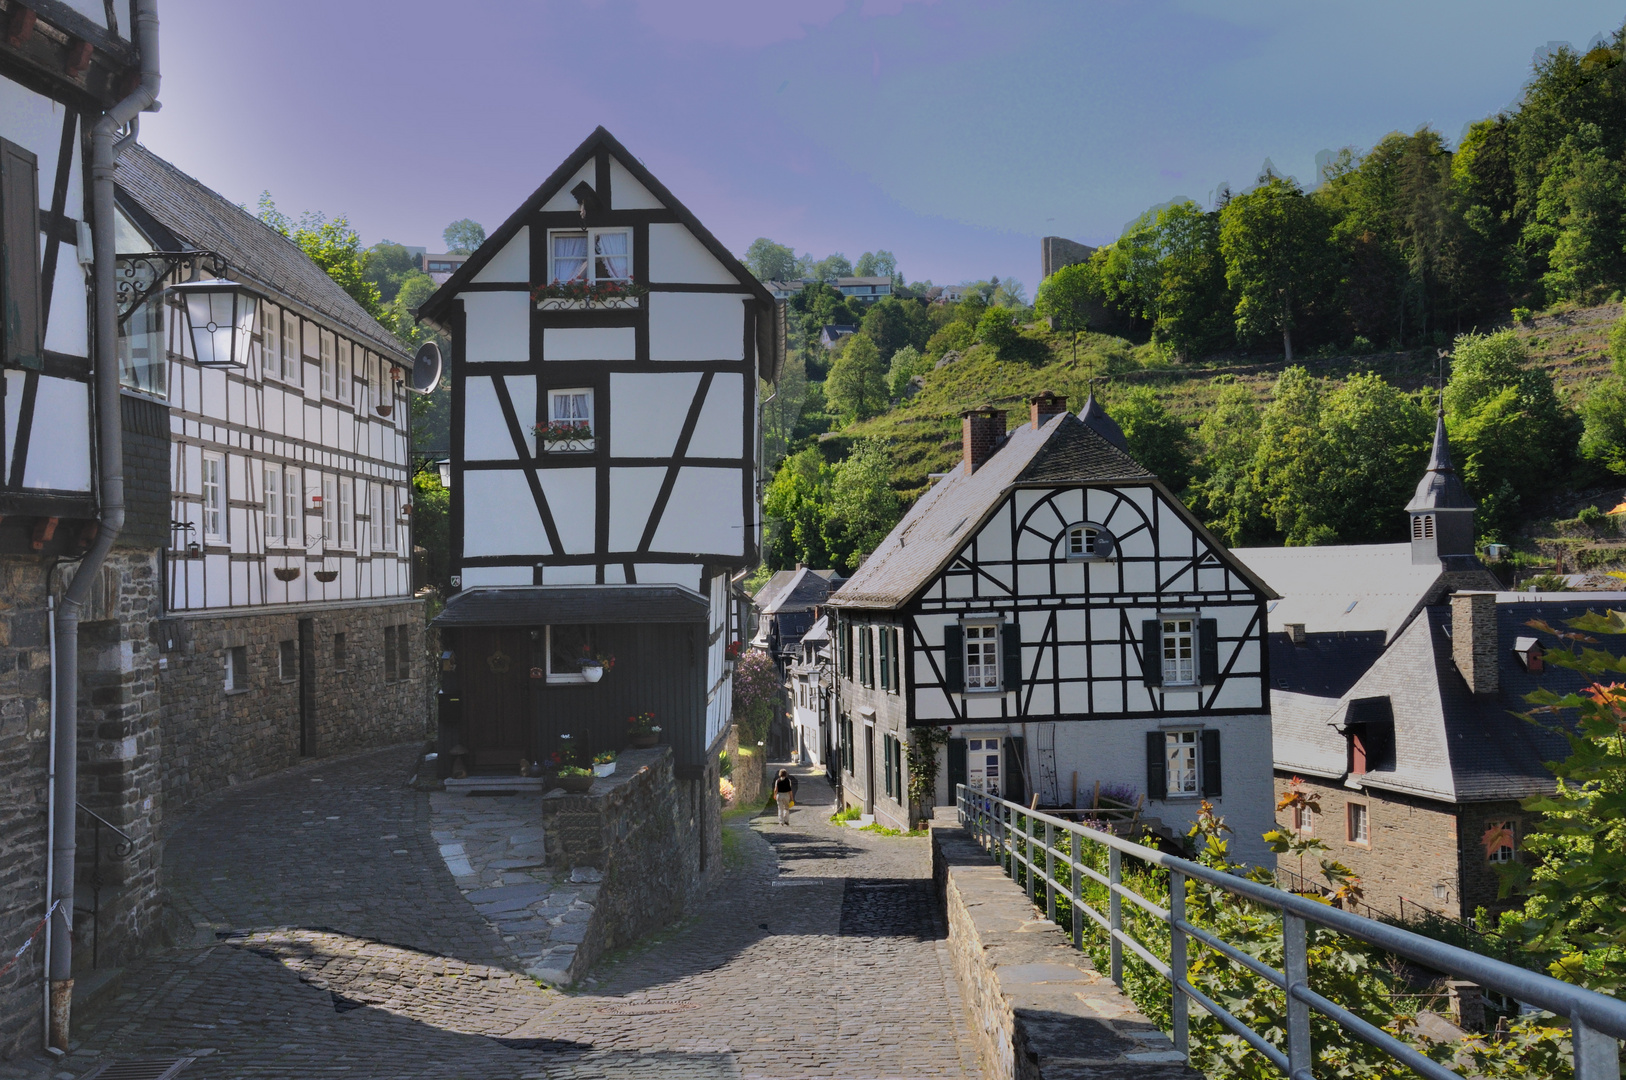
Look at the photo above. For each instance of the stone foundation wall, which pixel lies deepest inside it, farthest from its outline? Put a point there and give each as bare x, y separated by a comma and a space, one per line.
750, 777
1036, 1006
654, 840
216, 737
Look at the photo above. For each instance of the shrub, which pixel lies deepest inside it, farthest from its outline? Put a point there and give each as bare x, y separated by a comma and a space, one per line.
757, 692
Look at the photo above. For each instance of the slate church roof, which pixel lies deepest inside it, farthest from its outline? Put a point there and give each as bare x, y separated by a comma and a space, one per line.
1440, 488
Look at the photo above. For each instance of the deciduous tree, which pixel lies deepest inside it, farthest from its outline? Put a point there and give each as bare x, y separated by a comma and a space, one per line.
463, 236
1277, 257
856, 385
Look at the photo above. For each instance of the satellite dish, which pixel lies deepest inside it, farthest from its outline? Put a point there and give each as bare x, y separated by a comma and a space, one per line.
426, 368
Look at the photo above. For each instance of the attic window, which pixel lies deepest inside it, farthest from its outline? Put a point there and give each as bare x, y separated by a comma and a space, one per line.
1351, 606
1086, 542
610, 258
1271, 606
1530, 653
1422, 527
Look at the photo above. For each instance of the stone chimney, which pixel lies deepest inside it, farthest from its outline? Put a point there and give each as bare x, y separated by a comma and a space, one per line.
980, 433
1045, 406
1473, 639
1295, 632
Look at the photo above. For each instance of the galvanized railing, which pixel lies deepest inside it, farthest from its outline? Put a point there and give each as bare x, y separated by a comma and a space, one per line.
1027, 839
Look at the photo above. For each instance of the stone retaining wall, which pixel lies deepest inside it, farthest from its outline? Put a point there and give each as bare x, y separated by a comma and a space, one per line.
750, 770
1037, 1008
653, 842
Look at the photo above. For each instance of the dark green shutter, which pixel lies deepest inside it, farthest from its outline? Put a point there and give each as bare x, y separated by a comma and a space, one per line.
1211, 763
958, 773
1157, 775
20, 317
954, 659
886, 658
1151, 652
1010, 644
897, 661
1014, 784
897, 770
1207, 651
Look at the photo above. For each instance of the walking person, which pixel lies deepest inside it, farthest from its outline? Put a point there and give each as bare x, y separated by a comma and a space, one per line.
784, 793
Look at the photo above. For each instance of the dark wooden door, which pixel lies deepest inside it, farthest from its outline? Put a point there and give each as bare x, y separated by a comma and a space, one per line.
495, 669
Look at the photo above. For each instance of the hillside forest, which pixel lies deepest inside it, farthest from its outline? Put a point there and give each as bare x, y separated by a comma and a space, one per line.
1277, 358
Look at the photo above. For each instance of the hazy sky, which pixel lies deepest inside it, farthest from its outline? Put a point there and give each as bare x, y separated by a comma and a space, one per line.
954, 133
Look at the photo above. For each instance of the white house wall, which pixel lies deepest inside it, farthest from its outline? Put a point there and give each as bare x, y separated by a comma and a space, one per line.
718, 433
675, 255
628, 194
512, 263
499, 327
695, 326
592, 343
62, 406
647, 424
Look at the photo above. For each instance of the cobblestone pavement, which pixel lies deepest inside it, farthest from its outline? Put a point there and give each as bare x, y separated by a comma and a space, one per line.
332, 940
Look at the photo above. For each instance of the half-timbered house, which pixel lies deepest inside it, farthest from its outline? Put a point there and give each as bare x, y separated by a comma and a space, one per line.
1070, 622
606, 357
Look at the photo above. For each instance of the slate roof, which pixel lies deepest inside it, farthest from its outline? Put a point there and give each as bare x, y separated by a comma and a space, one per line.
806, 589
819, 631
1096, 419
542, 605
198, 218
1449, 744
1345, 588
1440, 488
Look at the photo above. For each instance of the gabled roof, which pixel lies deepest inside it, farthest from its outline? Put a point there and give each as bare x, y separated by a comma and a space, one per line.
934, 530
777, 583
180, 213
1347, 588
819, 631
432, 309
806, 589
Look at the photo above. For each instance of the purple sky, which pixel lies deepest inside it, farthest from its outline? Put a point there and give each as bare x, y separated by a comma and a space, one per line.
954, 133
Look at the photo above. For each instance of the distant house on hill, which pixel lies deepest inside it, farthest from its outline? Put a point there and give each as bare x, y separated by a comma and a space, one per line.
865, 290
787, 608
830, 335
1395, 669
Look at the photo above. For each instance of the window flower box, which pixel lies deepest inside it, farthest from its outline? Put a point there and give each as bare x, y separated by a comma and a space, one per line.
564, 437
578, 295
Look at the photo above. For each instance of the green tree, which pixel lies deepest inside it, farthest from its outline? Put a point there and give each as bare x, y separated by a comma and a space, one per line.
1228, 440
1156, 437
1373, 445
399, 314
1277, 257
863, 506
770, 261
431, 528
1287, 465
893, 323
332, 245
856, 385
388, 265
831, 267
907, 362
1584, 196
876, 264
1070, 296
1192, 296
463, 236
1128, 273
1603, 419
796, 503
1011, 294
996, 330
1509, 431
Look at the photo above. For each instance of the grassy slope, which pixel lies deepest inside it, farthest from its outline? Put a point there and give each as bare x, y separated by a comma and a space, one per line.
925, 431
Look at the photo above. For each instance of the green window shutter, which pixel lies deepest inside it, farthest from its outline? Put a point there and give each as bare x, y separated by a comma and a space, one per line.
958, 772
886, 659
20, 316
954, 659
1010, 645
1211, 763
1157, 776
897, 661
897, 769
1207, 651
1151, 652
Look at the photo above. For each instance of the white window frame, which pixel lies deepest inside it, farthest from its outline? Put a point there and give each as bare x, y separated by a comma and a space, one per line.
589, 272
1303, 820
325, 349
344, 371
232, 680
392, 499
271, 491
984, 638
1082, 542
330, 518
347, 512
293, 357
271, 343
1179, 666
293, 508
555, 397
556, 677
375, 516
213, 490
1505, 853
1358, 823
1182, 763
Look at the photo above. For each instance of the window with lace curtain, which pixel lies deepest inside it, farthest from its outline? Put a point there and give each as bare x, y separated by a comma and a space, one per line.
592, 255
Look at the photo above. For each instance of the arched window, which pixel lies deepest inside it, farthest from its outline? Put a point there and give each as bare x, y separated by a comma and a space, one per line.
1086, 541
1422, 527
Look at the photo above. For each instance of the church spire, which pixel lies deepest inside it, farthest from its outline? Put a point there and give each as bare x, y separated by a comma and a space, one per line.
1442, 514
1096, 419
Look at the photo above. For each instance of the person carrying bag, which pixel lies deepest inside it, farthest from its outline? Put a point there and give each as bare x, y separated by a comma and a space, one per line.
784, 793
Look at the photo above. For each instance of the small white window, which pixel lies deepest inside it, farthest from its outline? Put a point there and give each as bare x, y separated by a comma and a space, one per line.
568, 646
1359, 830
291, 361
1179, 652
1502, 833
1081, 542
1422, 527
214, 497
273, 502
293, 508
612, 256
571, 407
375, 514
236, 668
270, 343
344, 371
1180, 748
392, 499
330, 511
347, 512
982, 657
570, 256
1303, 820
328, 381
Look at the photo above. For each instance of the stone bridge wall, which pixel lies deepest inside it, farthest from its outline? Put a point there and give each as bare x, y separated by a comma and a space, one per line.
1036, 1006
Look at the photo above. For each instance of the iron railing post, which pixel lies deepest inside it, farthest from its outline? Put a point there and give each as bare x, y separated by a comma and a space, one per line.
1049, 871
1296, 969
1077, 896
1115, 915
1597, 1055
1177, 961
1027, 856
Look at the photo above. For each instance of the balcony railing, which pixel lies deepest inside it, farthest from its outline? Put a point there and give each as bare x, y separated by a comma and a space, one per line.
1048, 851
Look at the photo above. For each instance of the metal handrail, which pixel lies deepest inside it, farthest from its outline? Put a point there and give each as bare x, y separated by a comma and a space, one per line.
120, 851
1597, 1021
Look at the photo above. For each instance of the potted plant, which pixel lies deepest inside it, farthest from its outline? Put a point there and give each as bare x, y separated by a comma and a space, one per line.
594, 667
578, 293
642, 731
575, 779
564, 436
604, 764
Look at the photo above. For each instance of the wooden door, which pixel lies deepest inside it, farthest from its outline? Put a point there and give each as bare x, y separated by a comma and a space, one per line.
495, 668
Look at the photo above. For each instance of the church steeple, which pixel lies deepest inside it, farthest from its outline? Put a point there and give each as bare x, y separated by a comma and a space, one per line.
1096, 419
1442, 514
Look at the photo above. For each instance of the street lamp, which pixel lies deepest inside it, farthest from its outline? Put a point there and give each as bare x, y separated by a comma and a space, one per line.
220, 315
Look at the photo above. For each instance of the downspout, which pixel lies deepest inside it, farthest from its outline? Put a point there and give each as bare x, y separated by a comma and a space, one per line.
104, 151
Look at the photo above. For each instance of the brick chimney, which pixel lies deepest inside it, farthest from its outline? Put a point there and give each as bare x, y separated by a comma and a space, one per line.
1473, 639
980, 433
1045, 406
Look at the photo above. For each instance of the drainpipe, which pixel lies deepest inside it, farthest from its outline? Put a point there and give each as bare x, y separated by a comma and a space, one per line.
105, 145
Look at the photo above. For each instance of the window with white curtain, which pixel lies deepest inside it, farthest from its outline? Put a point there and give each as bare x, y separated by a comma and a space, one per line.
611, 255
273, 502
270, 342
572, 407
326, 348
291, 361
982, 657
214, 497
344, 371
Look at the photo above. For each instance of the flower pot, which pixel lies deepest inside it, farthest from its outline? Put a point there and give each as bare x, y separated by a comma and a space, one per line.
568, 446
644, 741
605, 769
383, 410
286, 573
592, 672
326, 575
576, 785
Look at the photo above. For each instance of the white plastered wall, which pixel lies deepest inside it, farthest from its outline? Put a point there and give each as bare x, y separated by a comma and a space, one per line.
676, 254
718, 432
512, 263
497, 327
696, 326
703, 514
649, 411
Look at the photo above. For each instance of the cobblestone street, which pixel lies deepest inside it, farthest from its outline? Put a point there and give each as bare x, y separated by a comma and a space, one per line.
331, 939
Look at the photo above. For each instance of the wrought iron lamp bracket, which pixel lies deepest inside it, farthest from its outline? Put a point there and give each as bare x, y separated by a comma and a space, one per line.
137, 278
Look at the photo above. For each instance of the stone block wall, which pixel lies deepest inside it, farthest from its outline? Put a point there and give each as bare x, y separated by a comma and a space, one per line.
1035, 1005
750, 770
655, 840
216, 738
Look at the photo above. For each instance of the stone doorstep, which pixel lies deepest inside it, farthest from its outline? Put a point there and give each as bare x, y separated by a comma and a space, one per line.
495, 783
94, 990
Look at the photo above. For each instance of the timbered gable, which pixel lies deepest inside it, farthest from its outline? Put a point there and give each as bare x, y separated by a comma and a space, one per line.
609, 435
